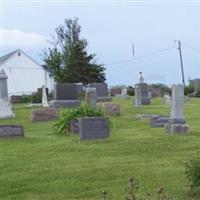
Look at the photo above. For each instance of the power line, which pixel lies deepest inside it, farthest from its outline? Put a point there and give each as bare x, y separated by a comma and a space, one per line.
190, 47
141, 57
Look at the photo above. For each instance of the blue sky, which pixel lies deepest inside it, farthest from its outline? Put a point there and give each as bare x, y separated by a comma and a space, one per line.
110, 29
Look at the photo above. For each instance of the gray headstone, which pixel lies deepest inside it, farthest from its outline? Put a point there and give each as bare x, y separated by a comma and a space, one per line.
44, 97
112, 109
138, 99
11, 131
101, 88
93, 128
177, 123
68, 91
91, 97
44, 114
3, 85
5, 105
177, 101
142, 94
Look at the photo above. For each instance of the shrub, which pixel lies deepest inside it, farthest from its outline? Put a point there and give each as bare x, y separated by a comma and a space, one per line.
62, 125
26, 98
37, 97
193, 171
130, 91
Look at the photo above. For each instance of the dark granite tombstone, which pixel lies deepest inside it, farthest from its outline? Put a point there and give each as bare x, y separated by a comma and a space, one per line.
93, 128
102, 91
66, 95
144, 93
11, 131
101, 88
68, 91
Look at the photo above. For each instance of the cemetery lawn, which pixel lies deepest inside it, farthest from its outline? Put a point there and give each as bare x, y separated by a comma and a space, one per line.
46, 166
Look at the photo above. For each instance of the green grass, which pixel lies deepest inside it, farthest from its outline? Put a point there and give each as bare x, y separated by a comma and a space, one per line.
47, 166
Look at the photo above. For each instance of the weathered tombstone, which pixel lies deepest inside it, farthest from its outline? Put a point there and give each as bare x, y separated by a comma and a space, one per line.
138, 100
93, 128
112, 109
167, 99
91, 97
115, 91
124, 94
5, 105
102, 91
44, 97
66, 95
11, 131
177, 123
44, 114
142, 93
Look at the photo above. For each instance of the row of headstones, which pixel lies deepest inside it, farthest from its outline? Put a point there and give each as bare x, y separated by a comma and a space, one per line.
175, 123
89, 128
69, 94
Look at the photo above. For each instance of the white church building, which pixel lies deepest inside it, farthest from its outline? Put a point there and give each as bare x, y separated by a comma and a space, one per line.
25, 75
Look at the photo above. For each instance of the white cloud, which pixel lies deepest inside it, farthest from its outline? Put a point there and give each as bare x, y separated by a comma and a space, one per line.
17, 38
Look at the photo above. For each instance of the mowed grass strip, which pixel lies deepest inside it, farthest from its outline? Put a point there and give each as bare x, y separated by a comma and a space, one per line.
44, 165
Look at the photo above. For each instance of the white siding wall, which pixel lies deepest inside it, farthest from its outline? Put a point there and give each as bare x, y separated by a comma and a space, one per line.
24, 75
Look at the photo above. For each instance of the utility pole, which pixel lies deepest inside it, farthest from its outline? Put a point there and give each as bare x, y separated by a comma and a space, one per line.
181, 61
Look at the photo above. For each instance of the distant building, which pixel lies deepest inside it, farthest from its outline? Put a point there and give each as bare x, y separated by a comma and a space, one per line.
24, 74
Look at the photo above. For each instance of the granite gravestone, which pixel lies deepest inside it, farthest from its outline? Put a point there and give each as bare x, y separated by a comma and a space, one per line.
11, 131
112, 109
142, 92
91, 97
102, 91
138, 101
5, 105
44, 114
167, 99
115, 91
67, 95
124, 94
177, 123
93, 128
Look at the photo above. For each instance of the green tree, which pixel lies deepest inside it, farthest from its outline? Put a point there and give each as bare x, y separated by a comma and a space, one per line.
69, 59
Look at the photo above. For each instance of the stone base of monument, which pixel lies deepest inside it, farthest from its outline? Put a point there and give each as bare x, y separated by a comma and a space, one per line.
104, 99
146, 101
5, 110
159, 121
93, 128
176, 128
43, 114
112, 109
176, 125
11, 131
64, 103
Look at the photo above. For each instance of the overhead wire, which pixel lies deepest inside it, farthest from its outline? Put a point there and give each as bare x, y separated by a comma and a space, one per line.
140, 57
